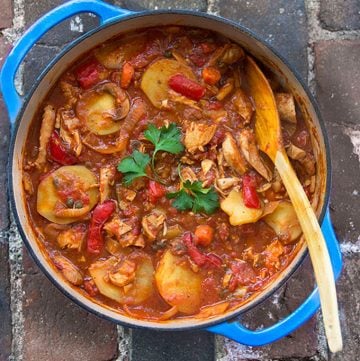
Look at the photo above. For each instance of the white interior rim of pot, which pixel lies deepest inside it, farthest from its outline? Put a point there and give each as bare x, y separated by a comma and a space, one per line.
130, 23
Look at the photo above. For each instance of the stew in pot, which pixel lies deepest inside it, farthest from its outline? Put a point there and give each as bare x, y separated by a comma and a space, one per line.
144, 182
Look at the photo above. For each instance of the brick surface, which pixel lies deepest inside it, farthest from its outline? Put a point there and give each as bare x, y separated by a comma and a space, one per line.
5, 313
172, 346
302, 343
338, 96
349, 305
340, 14
56, 329
281, 23
6, 13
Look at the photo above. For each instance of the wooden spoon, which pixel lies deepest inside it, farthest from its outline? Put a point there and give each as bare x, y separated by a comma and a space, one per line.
268, 134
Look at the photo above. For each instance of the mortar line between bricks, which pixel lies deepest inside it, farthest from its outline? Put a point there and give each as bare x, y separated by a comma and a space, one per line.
124, 341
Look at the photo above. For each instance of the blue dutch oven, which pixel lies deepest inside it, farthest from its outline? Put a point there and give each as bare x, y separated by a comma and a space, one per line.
114, 21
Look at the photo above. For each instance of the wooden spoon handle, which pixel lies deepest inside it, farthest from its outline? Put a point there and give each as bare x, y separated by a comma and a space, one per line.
317, 248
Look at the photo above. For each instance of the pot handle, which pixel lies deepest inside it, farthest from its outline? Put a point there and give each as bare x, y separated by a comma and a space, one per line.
12, 99
237, 332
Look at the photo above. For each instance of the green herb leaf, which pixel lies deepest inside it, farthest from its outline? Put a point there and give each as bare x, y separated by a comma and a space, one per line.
134, 166
166, 139
193, 196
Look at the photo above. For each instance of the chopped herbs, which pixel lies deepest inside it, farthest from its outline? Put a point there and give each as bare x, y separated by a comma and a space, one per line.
134, 166
193, 196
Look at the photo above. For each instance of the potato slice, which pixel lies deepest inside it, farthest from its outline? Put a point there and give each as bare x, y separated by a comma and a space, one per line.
154, 82
233, 205
178, 284
284, 222
141, 289
91, 108
47, 196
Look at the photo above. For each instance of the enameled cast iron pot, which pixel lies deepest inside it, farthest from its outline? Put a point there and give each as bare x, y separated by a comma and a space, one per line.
114, 21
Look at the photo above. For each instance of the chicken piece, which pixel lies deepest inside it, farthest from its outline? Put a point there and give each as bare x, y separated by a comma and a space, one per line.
187, 174
152, 224
232, 154
177, 98
107, 175
232, 54
70, 92
72, 238
197, 135
47, 127
250, 150
123, 273
117, 228
124, 193
68, 269
243, 105
272, 255
69, 131
304, 158
206, 165
286, 107
226, 183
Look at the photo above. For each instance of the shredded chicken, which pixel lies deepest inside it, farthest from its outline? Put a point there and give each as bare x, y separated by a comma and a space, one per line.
272, 254
286, 107
177, 98
68, 269
295, 152
243, 105
107, 175
197, 135
124, 193
187, 174
72, 238
47, 127
225, 90
116, 227
69, 131
232, 54
70, 92
123, 274
251, 153
232, 154
152, 224
27, 182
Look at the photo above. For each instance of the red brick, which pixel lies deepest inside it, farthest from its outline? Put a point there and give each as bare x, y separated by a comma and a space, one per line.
56, 329
6, 13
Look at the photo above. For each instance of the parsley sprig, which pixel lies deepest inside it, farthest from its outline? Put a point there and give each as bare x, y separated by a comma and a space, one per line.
193, 196
165, 139
134, 166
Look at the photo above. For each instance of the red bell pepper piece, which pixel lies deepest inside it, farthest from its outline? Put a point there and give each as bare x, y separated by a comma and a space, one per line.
207, 260
251, 198
58, 152
155, 191
186, 86
101, 214
88, 73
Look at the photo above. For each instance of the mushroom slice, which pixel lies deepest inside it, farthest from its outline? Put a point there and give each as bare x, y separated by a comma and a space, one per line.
232, 54
68, 269
187, 174
295, 152
197, 135
50, 201
226, 183
102, 108
233, 205
251, 153
243, 105
286, 107
154, 82
178, 284
133, 293
232, 154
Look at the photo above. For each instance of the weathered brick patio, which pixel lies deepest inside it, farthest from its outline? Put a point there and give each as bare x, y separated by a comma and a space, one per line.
321, 39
